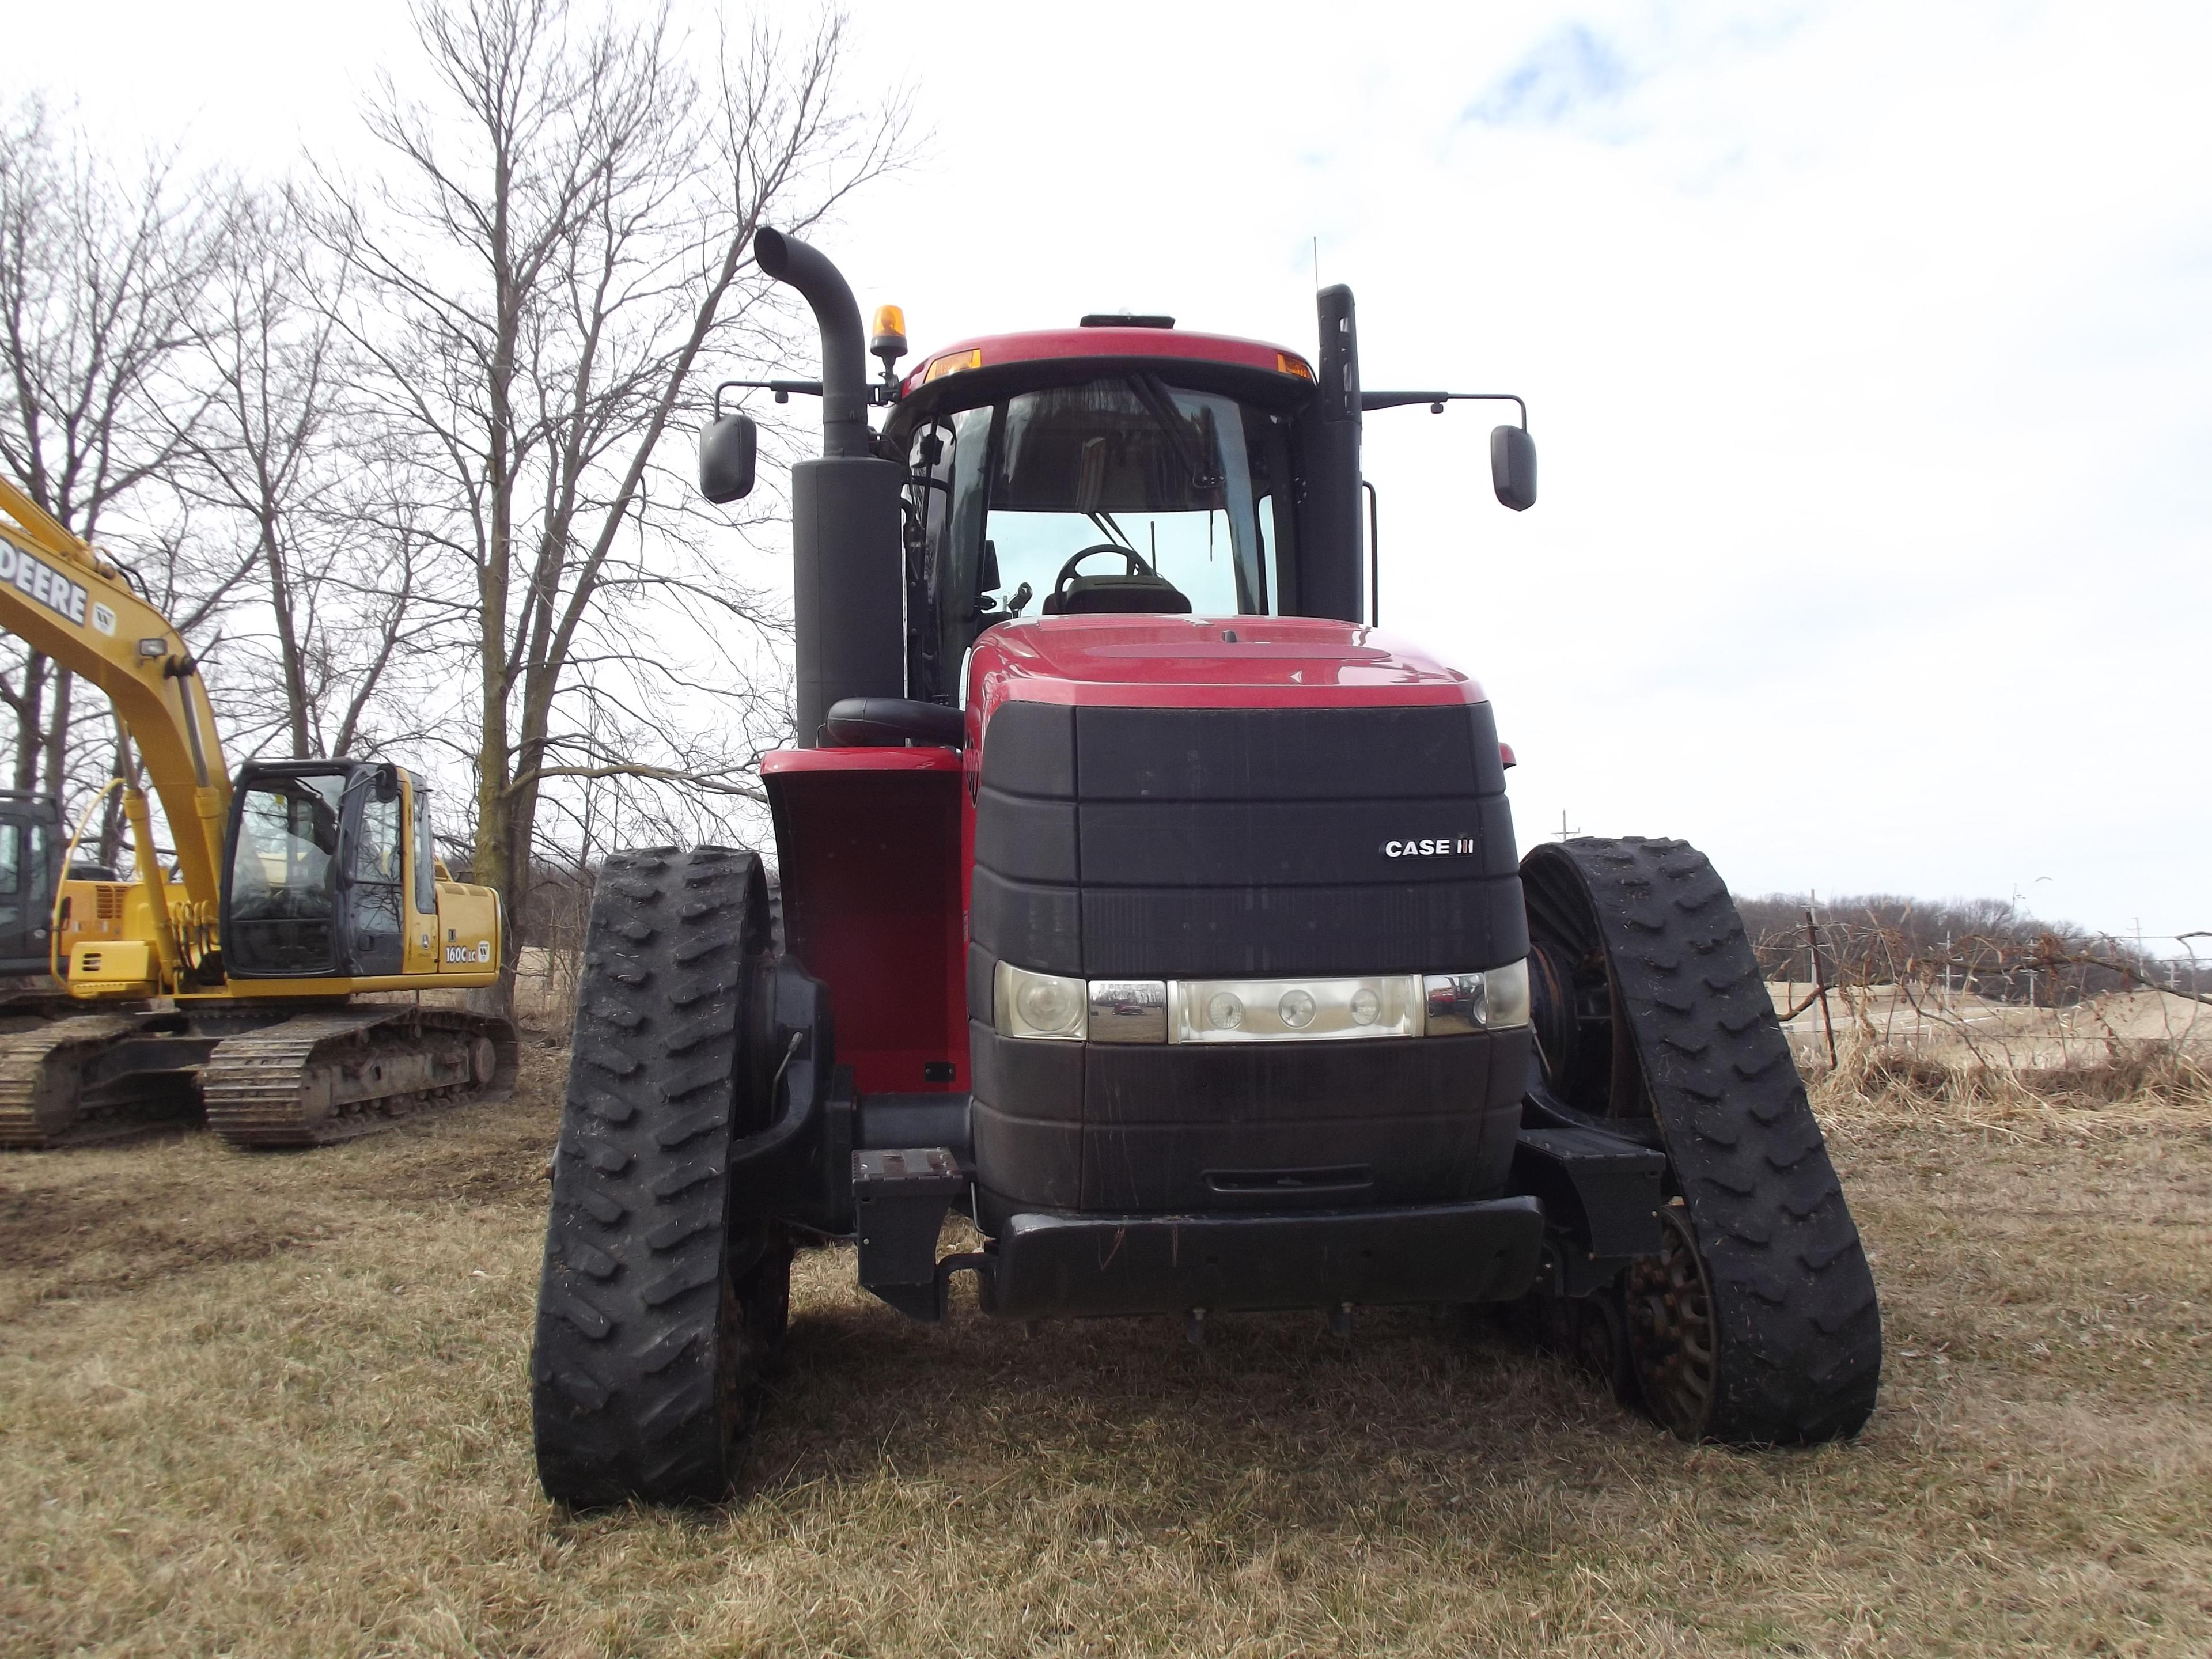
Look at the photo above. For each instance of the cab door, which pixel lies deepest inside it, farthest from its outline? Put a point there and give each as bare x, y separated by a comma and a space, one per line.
27, 887
370, 891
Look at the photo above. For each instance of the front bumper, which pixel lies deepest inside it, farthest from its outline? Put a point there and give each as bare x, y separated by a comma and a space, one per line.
1051, 1264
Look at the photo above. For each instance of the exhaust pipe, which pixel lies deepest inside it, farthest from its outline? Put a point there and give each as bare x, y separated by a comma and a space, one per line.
837, 319
1331, 527
848, 633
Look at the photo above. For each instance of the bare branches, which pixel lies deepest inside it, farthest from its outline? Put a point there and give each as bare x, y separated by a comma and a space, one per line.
562, 235
101, 278
419, 419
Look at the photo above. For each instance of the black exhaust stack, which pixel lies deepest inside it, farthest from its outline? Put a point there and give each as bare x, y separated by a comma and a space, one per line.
1330, 523
848, 640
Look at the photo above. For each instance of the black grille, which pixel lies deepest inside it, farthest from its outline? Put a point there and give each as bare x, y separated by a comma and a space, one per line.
1183, 843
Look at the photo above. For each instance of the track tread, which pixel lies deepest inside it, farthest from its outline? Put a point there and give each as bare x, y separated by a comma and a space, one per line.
639, 1233
1800, 1323
254, 1085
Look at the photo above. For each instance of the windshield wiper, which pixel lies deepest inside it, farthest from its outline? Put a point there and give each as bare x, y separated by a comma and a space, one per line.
1114, 532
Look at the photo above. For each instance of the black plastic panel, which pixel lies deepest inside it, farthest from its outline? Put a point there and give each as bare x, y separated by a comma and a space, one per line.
1029, 748
1118, 1264
1026, 839
1225, 844
1187, 1127
1275, 933
981, 975
1035, 927
1191, 843
1285, 754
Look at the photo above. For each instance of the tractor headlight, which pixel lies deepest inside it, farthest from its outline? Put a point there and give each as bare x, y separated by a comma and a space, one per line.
1032, 1005
1457, 1003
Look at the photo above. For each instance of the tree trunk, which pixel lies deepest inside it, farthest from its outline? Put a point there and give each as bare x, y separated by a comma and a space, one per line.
110, 816
273, 556
30, 722
57, 733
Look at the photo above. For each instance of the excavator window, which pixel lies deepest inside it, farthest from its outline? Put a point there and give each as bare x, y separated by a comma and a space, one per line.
282, 898
11, 859
426, 852
375, 938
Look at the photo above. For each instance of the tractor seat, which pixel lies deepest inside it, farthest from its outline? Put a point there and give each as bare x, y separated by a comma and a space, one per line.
1093, 596
887, 722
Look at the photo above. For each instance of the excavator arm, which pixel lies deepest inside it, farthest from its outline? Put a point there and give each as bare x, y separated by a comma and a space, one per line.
60, 597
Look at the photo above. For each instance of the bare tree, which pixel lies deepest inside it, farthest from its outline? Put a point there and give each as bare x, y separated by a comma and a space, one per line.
282, 452
101, 276
562, 235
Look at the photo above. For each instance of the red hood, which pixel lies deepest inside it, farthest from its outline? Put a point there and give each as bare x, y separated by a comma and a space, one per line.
1230, 662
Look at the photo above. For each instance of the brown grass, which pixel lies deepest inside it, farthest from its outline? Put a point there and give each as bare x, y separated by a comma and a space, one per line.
262, 1405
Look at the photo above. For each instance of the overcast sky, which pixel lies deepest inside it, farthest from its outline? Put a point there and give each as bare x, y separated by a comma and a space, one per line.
1867, 348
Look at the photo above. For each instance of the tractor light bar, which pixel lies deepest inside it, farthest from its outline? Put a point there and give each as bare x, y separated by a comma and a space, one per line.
1061, 1008
1278, 1010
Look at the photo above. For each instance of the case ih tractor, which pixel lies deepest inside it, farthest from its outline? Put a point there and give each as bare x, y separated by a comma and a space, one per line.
1145, 905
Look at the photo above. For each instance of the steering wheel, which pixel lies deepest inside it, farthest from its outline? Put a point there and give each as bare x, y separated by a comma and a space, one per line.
1134, 566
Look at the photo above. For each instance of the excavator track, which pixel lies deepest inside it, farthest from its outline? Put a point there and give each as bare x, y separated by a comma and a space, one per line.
69, 1081
320, 1078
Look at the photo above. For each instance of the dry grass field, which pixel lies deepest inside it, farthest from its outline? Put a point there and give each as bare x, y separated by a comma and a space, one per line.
277, 1405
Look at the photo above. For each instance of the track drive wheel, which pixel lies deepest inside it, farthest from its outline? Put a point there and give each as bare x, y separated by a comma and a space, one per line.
658, 1307
1757, 1323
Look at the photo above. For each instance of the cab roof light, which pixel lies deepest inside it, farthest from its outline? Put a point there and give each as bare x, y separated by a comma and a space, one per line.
889, 341
1287, 364
952, 363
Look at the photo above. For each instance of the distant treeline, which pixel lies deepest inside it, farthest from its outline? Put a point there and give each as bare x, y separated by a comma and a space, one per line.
1989, 946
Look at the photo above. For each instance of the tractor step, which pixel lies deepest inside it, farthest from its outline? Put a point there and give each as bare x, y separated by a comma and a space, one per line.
900, 1200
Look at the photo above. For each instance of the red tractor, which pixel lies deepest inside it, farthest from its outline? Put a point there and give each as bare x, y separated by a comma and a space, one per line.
1144, 903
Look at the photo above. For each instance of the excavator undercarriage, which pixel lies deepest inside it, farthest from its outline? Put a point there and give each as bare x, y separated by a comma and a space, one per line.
268, 1074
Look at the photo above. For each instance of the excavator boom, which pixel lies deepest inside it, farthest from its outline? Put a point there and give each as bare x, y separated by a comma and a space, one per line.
59, 596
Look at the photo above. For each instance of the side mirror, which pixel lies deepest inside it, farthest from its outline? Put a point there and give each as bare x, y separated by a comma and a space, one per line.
1513, 467
727, 450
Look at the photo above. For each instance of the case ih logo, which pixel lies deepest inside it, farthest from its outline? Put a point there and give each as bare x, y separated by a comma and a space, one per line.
1445, 847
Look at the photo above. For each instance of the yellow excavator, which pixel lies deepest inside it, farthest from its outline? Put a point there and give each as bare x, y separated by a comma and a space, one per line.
229, 981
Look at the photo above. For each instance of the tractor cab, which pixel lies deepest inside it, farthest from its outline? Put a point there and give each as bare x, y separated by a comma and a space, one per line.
327, 859
1068, 474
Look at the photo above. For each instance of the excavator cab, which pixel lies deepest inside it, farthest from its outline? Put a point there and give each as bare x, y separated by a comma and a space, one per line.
321, 863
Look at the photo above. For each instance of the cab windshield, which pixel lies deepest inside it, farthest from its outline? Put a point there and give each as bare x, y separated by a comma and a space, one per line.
1124, 492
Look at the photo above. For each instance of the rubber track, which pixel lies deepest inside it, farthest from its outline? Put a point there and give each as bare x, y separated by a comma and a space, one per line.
40, 1090
633, 1391
254, 1085
1800, 1338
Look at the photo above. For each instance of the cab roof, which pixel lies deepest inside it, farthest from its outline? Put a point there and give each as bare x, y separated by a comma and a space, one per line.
1091, 343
